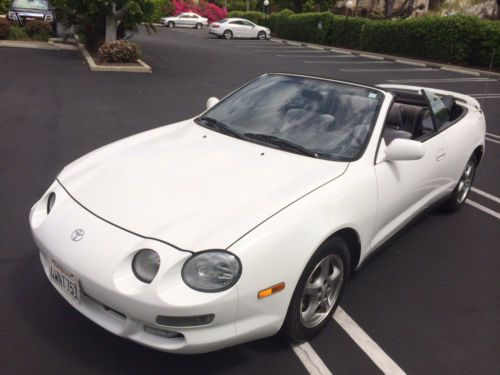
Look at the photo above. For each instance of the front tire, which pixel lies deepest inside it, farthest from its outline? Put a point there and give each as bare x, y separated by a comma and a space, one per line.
461, 191
228, 34
261, 35
170, 24
318, 291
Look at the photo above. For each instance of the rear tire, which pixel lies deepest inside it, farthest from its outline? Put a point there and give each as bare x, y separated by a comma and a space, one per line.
461, 191
228, 34
262, 35
318, 291
170, 24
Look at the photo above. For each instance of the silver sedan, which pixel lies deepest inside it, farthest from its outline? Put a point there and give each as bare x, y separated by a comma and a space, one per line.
229, 28
188, 19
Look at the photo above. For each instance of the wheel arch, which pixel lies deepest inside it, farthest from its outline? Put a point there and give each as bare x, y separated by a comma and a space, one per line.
478, 153
351, 237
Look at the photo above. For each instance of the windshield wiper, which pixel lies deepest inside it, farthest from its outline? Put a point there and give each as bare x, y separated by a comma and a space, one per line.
282, 143
221, 127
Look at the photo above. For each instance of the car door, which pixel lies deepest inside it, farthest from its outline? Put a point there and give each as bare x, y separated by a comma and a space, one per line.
183, 19
235, 27
248, 30
406, 187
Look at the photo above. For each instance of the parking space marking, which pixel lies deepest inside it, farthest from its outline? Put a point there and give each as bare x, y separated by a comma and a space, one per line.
448, 80
492, 140
485, 96
310, 359
284, 51
347, 62
389, 70
492, 135
374, 57
320, 56
365, 342
284, 48
487, 210
485, 194
287, 50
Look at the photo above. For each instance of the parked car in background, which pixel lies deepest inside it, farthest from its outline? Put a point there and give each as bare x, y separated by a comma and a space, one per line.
249, 218
22, 11
229, 28
188, 19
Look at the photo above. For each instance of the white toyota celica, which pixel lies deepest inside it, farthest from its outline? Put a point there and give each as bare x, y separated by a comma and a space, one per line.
249, 219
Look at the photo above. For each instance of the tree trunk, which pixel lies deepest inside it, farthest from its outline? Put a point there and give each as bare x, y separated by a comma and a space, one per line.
389, 5
111, 25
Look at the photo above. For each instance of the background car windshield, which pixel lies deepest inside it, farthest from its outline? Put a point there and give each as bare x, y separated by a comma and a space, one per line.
31, 4
328, 118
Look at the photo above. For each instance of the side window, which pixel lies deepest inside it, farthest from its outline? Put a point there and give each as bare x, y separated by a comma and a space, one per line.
439, 110
246, 23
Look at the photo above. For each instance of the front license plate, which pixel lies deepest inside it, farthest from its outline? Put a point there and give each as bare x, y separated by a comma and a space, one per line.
29, 18
68, 283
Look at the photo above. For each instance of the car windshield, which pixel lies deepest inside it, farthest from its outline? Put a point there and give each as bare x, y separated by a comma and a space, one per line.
326, 119
31, 4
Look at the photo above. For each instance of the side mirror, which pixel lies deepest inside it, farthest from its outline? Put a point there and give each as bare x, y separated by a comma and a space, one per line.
212, 101
404, 149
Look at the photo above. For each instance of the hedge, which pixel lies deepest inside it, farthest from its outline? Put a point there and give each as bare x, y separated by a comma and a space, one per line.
463, 40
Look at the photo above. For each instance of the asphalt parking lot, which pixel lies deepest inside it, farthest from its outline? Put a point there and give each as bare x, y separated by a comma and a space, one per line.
429, 302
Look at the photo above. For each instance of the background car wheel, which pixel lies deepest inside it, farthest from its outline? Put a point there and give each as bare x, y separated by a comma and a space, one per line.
228, 34
461, 191
171, 24
261, 35
318, 291
198, 26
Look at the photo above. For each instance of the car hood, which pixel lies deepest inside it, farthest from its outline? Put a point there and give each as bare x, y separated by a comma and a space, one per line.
190, 186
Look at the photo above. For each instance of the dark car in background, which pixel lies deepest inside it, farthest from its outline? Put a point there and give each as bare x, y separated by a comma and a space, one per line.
22, 11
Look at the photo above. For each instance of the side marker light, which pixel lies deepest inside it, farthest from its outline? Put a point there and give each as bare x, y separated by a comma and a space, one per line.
271, 290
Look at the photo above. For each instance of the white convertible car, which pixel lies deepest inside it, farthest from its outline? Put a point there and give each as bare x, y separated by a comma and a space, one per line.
249, 219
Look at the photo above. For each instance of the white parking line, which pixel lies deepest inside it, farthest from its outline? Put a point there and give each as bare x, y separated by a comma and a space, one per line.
347, 62
487, 97
389, 70
487, 210
492, 140
250, 45
450, 80
310, 359
319, 57
288, 50
485, 194
365, 342
492, 135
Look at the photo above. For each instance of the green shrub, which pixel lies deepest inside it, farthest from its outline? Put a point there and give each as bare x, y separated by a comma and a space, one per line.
5, 26
119, 51
447, 39
488, 40
4, 6
256, 17
17, 33
38, 30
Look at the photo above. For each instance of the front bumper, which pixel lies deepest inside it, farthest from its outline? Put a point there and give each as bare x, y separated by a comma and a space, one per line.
112, 297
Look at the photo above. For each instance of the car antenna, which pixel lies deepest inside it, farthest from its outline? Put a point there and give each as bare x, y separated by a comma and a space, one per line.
487, 80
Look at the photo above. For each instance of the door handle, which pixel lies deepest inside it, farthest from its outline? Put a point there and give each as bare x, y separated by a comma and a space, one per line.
441, 154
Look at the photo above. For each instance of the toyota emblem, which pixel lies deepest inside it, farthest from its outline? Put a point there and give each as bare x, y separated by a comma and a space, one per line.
77, 234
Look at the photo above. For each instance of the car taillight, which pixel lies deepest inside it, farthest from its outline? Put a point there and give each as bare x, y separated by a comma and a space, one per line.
214, 25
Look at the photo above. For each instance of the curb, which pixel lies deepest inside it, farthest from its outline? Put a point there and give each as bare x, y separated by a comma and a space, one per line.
398, 59
144, 68
50, 45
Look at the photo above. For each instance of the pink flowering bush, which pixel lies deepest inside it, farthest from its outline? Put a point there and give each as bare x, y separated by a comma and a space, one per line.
203, 8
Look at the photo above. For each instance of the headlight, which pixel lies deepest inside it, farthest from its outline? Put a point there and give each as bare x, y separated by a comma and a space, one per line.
211, 271
145, 265
49, 17
50, 202
12, 16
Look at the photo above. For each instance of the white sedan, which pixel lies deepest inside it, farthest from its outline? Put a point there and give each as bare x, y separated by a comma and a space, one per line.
249, 219
188, 19
229, 28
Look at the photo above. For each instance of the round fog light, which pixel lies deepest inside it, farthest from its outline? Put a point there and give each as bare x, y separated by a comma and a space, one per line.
145, 265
